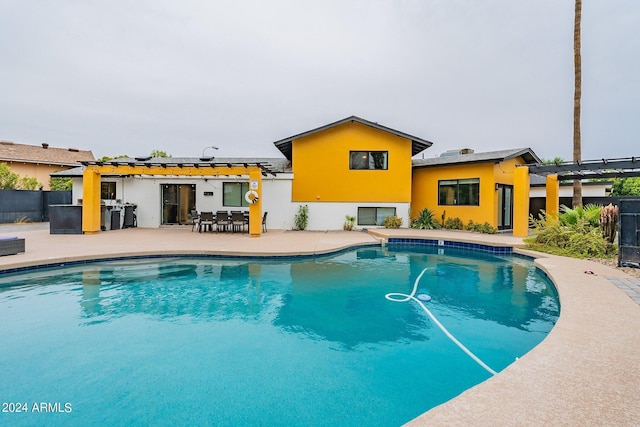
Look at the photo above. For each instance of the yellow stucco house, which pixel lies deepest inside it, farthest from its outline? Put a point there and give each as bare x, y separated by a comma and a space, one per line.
478, 187
352, 167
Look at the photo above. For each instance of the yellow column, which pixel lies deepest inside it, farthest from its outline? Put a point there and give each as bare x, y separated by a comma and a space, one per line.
521, 202
255, 209
91, 201
552, 206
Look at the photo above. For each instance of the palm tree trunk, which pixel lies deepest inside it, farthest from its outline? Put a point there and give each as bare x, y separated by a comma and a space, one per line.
577, 64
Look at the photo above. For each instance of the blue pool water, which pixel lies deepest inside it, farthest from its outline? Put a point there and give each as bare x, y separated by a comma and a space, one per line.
209, 341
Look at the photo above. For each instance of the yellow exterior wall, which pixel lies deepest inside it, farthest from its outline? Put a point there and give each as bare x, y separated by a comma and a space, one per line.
521, 202
321, 171
425, 189
504, 171
425, 192
552, 206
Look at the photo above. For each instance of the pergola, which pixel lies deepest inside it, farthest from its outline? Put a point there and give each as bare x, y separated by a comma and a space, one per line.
585, 169
168, 167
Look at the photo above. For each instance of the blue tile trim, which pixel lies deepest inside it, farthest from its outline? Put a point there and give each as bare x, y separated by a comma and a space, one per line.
199, 256
498, 250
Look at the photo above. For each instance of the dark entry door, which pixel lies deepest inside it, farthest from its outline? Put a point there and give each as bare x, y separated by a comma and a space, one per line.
177, 202
505, 207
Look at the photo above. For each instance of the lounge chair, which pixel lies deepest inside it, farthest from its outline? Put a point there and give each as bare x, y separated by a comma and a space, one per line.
11, 245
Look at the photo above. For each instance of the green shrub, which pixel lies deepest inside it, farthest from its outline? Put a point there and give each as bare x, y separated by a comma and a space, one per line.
392, 221
588, 215
425, 220
348, 223
578, 240
453, 224
485, 228
302, 217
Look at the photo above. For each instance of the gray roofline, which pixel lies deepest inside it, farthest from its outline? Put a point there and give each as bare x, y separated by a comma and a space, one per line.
263, 163
489, 156
42, 162
418, 144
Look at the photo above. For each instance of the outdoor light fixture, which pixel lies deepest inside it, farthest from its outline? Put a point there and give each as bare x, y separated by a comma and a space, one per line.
211, 146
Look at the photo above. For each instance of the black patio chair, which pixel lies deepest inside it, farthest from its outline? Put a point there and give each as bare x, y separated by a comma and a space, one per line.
222, 220
206, 220
195, 220
264, 222
237, 221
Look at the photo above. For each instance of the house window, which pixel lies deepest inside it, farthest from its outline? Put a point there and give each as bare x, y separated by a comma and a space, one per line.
460, 192
108, 190
368, 160
374, 216
233, 194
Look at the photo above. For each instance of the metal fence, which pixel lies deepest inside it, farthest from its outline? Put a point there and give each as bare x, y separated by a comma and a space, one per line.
29, 206
629, 233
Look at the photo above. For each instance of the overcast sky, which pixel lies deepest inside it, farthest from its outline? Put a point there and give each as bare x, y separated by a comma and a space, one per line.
127, 77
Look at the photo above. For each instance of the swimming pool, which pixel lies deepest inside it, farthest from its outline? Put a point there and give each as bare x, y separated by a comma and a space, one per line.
309, 341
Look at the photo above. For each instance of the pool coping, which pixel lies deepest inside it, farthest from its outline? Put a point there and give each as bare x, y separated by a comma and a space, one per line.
585, 372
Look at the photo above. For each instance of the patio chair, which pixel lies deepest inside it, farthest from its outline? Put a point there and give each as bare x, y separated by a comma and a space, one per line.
237, 221
222, 220
264, 222
206, 220
195, 219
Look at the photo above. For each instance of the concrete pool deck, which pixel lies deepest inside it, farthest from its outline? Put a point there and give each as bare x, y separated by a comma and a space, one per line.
586, 372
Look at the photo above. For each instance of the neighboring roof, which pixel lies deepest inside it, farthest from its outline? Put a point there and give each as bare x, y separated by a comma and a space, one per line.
44, 154
528, 156
267, 164
417, 144
69, 173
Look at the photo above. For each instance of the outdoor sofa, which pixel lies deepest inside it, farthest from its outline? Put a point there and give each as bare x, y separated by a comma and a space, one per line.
11, 245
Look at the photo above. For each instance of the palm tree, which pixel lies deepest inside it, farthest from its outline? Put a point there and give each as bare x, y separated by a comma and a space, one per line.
577, 66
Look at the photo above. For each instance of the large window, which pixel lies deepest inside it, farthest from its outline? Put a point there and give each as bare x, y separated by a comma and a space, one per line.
368, 160
233, 194
461, 192
374, 216
108, 190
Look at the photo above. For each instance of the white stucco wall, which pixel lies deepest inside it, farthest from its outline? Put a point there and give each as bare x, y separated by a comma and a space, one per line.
146, 193
567, 191
331, 216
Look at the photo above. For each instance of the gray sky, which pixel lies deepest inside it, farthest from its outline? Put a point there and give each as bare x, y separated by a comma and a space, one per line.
127, 77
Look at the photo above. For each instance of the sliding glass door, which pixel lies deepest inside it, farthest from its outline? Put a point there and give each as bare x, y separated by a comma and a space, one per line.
177, 202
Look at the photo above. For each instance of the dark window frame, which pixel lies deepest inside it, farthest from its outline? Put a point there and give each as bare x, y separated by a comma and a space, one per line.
244, 187
108, 190
357, 162
375, 215
463, 194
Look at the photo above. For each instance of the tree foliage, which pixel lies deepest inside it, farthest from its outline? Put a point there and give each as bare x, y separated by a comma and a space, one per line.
61, 184
550, 162
626, 187
28, 183
107, 158
159, 153
10, 180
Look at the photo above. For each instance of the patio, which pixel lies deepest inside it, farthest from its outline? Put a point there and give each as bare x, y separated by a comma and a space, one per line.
584, 373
